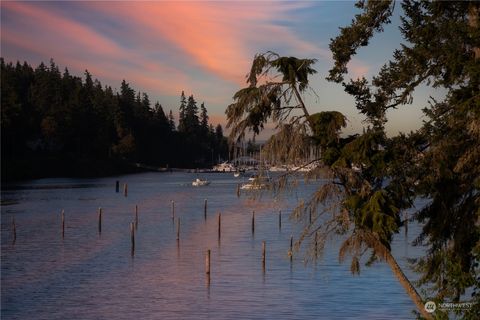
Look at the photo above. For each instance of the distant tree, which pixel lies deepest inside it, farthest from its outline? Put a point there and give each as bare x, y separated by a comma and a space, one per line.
221, 143
47, 99
160, 114
171, 120
218, 132
203, 119
126, 103
17, 114
124, 118
181, 115
191, 120
53, 123
145, 106
85, 136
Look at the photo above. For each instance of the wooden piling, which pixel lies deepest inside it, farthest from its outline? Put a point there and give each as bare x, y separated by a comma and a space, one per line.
253, 222
99, 220
63, 223
136, 217
125, 190
316, 245
132, 236
178, 229
238, 190
205, 209
207, 263
280, 219
117, 186
14, 229
219, 225
173, 210
310, 217
263, 255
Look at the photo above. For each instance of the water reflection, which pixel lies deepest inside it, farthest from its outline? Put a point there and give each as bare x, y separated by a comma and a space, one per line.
107, 275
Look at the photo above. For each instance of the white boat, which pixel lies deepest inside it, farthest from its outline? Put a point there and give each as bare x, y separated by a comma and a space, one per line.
224, 167
236, 174
278, 169
200, 183
256, 183
254, 186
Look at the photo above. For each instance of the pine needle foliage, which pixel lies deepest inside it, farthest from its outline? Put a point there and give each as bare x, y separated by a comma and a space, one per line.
372, 178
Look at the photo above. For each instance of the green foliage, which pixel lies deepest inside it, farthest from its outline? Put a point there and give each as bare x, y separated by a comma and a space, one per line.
343, 47
380, 176
266, 98
294, 71
125, 146
326, 127
376, 213
255, 105
439, 162
331, 155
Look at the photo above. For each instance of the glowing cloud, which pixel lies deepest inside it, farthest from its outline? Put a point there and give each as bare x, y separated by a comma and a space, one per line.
358, 69
218, 37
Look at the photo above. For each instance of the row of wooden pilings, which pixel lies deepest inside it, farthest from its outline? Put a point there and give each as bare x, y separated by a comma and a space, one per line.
134, 227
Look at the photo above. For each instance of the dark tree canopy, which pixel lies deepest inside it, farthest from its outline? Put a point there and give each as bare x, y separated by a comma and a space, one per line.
59, 124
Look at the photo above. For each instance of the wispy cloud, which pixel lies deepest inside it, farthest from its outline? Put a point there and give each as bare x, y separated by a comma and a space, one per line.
217, 37
164, 47
160, 47
79, 47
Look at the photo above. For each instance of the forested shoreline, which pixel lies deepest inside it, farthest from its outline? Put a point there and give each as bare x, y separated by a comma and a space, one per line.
58, 124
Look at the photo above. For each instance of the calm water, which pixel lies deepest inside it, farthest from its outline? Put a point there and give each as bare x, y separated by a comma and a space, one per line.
92, 276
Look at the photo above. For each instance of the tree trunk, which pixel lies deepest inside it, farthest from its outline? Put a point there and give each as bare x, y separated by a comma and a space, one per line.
299, 98
402, 278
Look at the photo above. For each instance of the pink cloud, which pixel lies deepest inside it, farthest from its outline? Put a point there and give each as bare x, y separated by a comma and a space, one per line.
215, 119
80, 47
215, 36
163, 47
358, 69
65, 29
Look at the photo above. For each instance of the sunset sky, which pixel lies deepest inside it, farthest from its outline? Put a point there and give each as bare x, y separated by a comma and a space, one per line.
204, 48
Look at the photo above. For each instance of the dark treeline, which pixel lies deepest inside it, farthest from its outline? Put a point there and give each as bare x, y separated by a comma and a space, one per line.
54, 123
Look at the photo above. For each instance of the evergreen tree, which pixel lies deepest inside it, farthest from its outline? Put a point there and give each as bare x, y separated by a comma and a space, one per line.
221, 143
58, 124
171, 121
126, 104
160, 114
124, 121
48, 95
439, 161
203, 120
375, 177
218, 132
182, 110
191, 120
